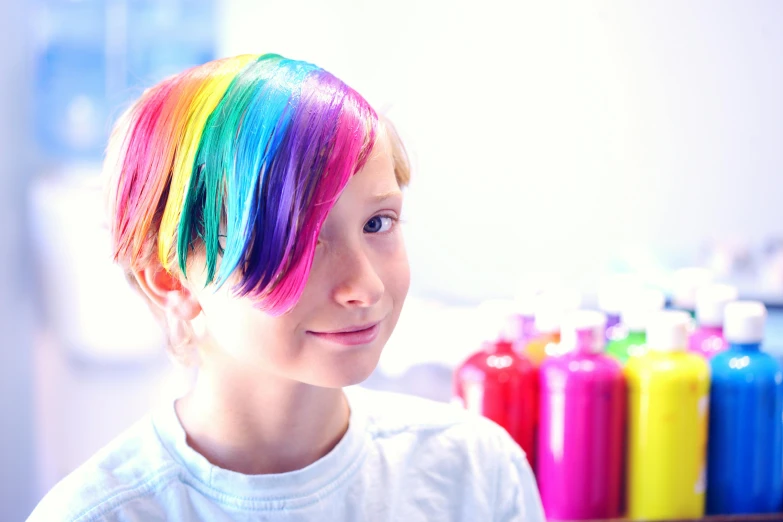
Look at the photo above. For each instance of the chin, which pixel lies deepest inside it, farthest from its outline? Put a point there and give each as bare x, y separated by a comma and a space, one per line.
358, 376
346, 369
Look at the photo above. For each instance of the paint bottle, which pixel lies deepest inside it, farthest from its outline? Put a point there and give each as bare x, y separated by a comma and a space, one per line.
745, 448
685, 287
631, 336
581, 425
707, 339
551, 306
668, 398
613, 293
524, 320
527, 294
502, 385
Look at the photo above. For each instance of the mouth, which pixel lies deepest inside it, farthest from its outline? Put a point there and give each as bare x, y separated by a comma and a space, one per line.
351, 336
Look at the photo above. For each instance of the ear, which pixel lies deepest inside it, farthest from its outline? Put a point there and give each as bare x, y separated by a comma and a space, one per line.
167, 292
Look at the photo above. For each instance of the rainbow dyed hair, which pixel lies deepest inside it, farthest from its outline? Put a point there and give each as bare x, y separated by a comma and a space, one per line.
242, 158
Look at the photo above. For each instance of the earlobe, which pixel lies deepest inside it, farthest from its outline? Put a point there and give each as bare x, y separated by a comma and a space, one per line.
168, 292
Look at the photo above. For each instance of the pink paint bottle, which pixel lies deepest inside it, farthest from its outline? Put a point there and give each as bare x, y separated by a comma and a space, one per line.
711, 300
581, 425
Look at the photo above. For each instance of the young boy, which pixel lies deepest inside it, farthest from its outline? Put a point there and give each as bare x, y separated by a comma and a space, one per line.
254, 201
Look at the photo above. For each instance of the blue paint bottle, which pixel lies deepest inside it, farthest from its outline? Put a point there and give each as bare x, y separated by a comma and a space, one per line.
745, 444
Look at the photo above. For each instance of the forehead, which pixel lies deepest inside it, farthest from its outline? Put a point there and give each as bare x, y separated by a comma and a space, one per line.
374, 184
378, 172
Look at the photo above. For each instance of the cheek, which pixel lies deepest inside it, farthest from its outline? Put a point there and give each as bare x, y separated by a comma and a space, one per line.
397, 274
242, 331
317, 287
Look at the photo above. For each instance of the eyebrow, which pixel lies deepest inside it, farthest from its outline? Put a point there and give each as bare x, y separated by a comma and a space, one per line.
387, 195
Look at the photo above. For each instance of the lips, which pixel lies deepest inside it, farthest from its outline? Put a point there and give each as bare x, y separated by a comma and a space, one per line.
351, 336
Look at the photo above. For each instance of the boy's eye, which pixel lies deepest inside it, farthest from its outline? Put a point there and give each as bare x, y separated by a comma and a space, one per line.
379, 224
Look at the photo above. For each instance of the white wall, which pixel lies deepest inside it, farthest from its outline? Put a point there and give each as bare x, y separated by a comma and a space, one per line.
557, 135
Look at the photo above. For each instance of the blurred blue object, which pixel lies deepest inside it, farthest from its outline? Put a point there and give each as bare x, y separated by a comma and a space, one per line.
745, 445
95, 56
166, 37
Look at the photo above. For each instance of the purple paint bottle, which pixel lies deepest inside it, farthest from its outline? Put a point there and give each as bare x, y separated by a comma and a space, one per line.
526, 298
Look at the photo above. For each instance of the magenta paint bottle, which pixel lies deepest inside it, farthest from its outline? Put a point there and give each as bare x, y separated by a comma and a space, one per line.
711, 300
581, 425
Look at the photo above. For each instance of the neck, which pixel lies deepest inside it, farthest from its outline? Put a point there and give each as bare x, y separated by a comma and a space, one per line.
254, 423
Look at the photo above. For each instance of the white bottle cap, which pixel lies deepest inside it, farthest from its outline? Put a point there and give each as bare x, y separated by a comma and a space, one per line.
551, 307
638, 307
584, 329
711, 300
686, 284
744, 322
667, 331
613, 292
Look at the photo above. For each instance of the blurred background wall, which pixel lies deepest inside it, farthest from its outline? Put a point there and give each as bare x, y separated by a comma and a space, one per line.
569, 136
582, 138
17, 291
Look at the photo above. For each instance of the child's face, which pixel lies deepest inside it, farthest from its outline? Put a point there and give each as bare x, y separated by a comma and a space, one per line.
359, 279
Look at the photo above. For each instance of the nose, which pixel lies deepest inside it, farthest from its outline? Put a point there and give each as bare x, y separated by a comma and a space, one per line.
357, 282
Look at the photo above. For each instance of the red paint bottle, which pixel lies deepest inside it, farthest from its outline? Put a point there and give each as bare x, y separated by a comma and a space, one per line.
502, 385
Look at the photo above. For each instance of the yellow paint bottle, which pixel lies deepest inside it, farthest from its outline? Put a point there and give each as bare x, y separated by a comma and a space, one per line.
668, 398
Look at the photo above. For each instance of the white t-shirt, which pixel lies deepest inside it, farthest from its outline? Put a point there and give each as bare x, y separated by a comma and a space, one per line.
403, 458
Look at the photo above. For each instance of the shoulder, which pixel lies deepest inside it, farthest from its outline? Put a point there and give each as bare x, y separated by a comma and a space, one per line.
133, 465
446, 444
393, 414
